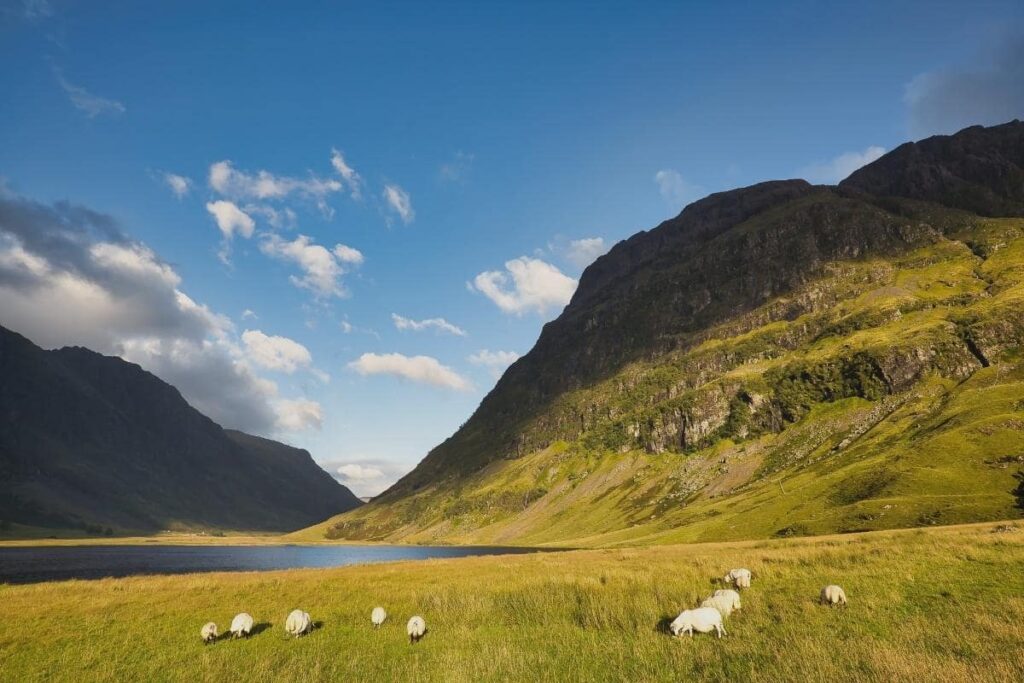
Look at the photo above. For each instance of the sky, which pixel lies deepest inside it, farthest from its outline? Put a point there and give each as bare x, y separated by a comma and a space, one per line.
335, 224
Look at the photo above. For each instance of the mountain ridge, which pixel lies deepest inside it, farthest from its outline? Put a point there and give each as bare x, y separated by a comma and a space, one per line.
89, 441
734, 325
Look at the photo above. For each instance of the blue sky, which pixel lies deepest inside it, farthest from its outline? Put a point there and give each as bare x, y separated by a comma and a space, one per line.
453, 164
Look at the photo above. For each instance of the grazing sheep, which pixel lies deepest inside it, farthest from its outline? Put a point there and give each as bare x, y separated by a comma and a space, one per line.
416, 628
378, 616
241, 625
298, 623
724, 601
832, 595
730, 593
702, 620
208, 632
738, 577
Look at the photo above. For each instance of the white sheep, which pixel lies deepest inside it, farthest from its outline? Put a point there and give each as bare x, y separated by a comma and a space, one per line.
738, 577
416, 628
298, 623
208, 632
725, 601
702, 620
730, 593
241, 625
378, 616
832, 595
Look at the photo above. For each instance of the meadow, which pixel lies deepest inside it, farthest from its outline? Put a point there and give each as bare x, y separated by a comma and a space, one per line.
942, 604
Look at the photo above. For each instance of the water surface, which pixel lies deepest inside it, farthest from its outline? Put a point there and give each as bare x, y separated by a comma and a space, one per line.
52, 563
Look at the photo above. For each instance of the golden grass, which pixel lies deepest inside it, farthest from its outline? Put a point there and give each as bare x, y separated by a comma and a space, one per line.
939, 604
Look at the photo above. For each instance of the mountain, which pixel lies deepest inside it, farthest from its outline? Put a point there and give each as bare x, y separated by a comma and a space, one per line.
89, 442
778, 359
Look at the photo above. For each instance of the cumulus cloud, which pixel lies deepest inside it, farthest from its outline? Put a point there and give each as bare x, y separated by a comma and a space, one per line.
581, 253
675, 190
366, 477
526, 284
439, 324
232, 183
70, 276
298, 415
179, 184
322, 269
275, 353
249, 314
347, 173
347, 254
494, 361
83, 100
421, 369
987, 92
398, 200
831, 172
230, 219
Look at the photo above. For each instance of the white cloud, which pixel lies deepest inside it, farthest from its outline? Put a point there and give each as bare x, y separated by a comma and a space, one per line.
988, 92
675, 190
535, 286
356, 472
296, 415
278, 218
179, 184
422, 369
831, 172
275, 353
322, 269
439, 324
69, 276
230, 219
249, 314
346, 327
348, 174
399, 201
83, 100
228, 181
347, 254
366, 477
581, 253
494, 361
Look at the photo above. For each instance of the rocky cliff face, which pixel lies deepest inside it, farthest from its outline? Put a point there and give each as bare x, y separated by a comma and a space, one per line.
738, 320
90, 441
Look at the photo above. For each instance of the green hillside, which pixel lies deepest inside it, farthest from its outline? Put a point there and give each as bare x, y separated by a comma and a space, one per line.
778, 360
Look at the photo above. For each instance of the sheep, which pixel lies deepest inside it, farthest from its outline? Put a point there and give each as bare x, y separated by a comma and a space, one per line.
208, 633
241, 625
738, 577
730, 593
298, 623
378, 616
725, 601
416, 628
702, 620
832, 595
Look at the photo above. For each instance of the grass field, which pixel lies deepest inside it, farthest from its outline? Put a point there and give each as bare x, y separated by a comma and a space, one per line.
943, 604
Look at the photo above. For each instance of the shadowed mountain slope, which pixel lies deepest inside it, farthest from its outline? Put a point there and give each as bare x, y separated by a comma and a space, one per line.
90, 441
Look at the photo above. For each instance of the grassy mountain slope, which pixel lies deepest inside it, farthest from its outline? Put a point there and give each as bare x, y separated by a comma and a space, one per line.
91, 442
782, 359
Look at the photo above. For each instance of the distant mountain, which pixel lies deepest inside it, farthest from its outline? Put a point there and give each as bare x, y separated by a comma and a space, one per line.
777, 359
93, 442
